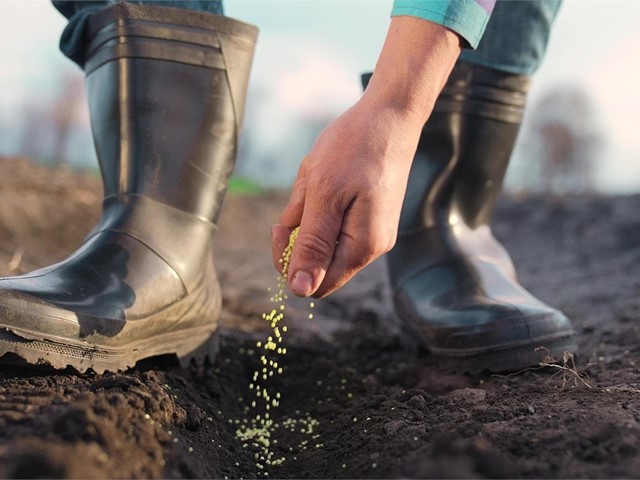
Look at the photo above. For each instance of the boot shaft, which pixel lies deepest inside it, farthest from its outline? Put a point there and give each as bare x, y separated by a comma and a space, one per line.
488, 107
464, 149
166, 92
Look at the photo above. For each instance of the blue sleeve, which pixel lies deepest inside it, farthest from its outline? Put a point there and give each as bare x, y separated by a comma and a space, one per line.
468, 18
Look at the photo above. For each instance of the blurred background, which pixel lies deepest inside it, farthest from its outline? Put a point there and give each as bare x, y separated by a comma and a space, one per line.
579, 136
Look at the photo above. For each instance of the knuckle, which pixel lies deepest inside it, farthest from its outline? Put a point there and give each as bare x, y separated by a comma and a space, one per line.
393, 237
299, 185
331, 192
373, 249
313, 249
366, 252
376, 245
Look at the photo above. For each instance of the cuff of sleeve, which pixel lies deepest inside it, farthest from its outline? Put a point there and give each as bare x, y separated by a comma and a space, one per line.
468, 18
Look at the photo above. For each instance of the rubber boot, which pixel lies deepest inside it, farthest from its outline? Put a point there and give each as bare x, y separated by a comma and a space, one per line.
166, 90
453, 283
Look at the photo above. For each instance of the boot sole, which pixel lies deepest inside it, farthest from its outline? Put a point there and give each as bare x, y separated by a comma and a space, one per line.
513, 359
197, 345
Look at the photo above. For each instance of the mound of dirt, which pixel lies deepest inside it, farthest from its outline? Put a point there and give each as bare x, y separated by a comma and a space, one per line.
385, 409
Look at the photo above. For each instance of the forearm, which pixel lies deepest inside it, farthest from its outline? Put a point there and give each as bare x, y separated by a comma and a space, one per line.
415, 62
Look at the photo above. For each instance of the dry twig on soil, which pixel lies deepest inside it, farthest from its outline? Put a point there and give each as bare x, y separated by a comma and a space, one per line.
568, 369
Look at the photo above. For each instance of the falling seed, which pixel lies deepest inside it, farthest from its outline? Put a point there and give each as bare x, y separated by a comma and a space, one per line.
261, 430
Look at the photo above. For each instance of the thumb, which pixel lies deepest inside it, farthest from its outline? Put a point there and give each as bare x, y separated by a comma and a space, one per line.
315, 246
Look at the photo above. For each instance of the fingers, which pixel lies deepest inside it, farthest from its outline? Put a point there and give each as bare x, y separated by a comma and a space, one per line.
289, 218
312, 255
350, 254
319, 229
359, 244
292, 214
341, 269
279, 241
344, 225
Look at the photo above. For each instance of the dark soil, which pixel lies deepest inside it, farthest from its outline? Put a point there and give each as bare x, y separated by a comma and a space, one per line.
385, 409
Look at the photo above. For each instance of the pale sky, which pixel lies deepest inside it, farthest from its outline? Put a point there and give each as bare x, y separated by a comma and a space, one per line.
311, 53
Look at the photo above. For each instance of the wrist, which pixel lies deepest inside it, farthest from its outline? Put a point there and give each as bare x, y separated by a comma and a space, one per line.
413, 66
400, 116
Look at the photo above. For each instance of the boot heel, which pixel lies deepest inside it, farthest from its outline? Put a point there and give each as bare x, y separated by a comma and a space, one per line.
200, 352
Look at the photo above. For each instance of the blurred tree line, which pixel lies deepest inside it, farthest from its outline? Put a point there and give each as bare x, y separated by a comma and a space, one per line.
51, 130
561, 144
559, 148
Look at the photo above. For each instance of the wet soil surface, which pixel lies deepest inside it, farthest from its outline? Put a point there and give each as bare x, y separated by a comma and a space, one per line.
385, 409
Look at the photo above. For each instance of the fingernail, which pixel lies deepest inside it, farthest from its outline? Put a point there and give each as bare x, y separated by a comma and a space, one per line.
301, 284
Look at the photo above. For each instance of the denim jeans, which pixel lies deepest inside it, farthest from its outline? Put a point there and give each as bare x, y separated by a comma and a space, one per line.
516, 36
515, 39
72, 41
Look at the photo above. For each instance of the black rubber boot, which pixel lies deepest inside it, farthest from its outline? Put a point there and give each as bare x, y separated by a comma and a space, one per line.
166, 92
452, 281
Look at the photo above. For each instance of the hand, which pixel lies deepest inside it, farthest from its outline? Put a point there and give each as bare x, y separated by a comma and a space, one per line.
349, 190
347, 197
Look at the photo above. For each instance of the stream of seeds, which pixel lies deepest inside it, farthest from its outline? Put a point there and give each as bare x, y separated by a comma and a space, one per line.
260, 432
